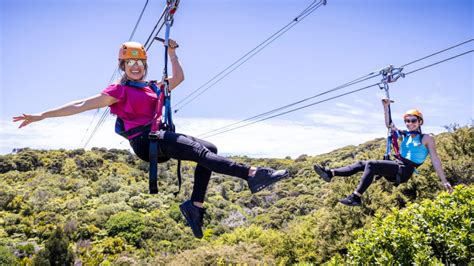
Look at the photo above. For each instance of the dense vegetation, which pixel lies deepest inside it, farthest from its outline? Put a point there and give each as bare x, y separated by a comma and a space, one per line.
92, 207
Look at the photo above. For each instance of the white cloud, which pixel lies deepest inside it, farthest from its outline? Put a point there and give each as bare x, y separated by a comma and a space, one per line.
434, 99
66, 132
364, 102
276, 138
349, 118
324, 132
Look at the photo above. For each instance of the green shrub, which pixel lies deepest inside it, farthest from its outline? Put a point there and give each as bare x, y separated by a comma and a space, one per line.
7, 257
272, 241
25, 250
241, 254
298, 220
128, 225
27, 160
430, 232
6, 164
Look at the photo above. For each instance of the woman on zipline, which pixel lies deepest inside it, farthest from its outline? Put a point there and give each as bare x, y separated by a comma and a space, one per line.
414, 149
136, 107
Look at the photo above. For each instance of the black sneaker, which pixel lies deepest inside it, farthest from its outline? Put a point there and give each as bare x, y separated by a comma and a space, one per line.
351, 200
322, 172
265, 177
194, 216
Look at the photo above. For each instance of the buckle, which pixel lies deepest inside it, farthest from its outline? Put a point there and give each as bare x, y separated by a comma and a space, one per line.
154, 135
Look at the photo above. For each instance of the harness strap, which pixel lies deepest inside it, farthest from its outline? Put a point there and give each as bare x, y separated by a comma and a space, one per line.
137, 84
398, 178
409, 163
157, 119
154, 136
136, 130
395, 146
153, 172
178, 170
402, 163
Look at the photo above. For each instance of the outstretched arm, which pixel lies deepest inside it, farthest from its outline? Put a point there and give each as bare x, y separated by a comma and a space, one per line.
94, 102
437, 163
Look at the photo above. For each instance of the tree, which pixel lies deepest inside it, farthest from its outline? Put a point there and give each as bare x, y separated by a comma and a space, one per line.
56, 250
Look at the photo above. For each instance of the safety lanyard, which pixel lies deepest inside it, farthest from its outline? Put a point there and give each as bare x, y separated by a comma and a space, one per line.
165, 119
162, 119
389, 75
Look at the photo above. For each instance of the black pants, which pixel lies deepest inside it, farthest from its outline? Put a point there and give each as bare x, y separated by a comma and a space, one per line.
386, 168
187, 148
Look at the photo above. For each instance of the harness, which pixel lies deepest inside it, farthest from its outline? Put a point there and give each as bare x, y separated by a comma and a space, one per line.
120, 125
403, 162
162, 121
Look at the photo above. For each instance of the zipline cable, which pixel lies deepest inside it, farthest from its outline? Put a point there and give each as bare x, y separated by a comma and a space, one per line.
327, 99
439, 62
246, 57
154, 28
138, 21
295, 109
353, 82
439, 52
159, 30
236, 64
368, 76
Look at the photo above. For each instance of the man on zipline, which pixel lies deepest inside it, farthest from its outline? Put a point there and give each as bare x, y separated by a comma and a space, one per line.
414, 149
136, 107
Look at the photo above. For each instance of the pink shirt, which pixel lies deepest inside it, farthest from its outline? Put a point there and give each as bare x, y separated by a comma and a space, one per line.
135, 106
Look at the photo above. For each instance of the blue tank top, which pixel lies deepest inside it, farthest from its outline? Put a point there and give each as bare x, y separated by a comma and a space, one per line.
413, 149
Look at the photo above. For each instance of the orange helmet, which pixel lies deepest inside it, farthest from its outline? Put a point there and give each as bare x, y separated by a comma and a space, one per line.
414, 112
132, 50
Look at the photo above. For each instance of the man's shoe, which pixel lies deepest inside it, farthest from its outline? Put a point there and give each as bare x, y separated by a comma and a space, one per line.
351, 200
323, 173
265, 177
194, 216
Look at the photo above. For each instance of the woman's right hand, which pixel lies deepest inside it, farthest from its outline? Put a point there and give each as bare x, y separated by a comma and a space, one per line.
27, 119
172, 45
448, 187
386, 102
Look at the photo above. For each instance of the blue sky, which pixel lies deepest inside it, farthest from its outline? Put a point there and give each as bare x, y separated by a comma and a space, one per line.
57, 51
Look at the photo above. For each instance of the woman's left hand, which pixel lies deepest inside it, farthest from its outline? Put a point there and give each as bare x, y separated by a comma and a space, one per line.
448, 187
172, 45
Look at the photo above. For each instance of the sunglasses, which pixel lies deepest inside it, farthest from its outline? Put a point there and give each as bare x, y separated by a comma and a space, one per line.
131, 62
413, 120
